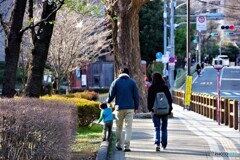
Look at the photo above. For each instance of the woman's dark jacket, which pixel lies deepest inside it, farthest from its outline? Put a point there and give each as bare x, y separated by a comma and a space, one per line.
152, 92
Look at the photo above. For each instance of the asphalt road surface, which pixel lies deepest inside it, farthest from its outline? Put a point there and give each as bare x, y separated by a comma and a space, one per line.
230, 82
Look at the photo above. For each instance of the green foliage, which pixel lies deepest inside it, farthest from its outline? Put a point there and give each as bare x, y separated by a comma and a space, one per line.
231, 50
151, 30
85, 7
87, 113
156, 67
212, 50
180, 41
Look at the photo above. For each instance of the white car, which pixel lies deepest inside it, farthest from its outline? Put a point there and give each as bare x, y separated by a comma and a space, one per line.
225, 60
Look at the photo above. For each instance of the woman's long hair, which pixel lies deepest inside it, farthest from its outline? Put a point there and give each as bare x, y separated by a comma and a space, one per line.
157, 79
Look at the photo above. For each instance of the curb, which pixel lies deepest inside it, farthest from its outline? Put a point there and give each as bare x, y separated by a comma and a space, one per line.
103, 151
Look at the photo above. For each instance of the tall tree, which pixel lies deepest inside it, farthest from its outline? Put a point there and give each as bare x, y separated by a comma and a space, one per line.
41, 42
13, 48
151, 29
77, 41
126, 40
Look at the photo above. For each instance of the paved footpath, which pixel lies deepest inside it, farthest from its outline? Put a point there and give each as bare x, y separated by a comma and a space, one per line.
190, 137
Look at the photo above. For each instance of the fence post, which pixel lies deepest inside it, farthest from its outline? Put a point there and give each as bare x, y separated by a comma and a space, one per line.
230, 120
239, 115
226, 120
215, 109
235, 115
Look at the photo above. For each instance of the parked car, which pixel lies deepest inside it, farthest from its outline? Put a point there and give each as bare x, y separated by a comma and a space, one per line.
224, 58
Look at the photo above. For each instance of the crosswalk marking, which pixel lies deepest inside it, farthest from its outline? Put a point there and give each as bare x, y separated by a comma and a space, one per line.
236, 93
227, 93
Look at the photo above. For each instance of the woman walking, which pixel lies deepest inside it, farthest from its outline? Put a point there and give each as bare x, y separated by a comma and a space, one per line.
160, 122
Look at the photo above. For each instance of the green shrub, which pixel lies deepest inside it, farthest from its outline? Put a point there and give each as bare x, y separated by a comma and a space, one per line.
88, 111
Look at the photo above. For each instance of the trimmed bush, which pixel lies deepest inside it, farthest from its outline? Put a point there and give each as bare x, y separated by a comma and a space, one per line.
90, 95
88, 111
37, 129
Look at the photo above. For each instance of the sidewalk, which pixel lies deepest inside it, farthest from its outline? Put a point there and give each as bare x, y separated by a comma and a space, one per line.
190, 137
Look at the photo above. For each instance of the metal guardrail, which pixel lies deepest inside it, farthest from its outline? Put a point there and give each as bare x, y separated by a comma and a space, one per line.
207, 105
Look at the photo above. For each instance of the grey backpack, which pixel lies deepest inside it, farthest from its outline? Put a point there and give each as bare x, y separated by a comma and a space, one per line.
161, 106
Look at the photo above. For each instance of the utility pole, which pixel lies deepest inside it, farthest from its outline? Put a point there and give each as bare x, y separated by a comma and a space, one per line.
172, 43
165, 32
188, 38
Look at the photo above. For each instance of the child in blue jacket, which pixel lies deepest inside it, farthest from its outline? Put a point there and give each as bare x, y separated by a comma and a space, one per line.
107, 117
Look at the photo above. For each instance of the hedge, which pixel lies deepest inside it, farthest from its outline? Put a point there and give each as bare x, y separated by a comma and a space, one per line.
36, 129
88, 111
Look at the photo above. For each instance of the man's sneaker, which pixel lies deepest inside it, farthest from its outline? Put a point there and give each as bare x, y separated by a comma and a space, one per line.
158, 148
119, 148
164, 147
127, 150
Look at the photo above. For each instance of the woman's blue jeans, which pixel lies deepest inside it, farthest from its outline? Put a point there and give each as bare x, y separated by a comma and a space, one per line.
160, 124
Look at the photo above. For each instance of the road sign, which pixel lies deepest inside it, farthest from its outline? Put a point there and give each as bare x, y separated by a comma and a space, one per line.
158, 55
201, 23
171, 59
165, 58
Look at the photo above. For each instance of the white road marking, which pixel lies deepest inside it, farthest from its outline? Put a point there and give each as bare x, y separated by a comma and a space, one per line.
230, 79
226, 93
236, 93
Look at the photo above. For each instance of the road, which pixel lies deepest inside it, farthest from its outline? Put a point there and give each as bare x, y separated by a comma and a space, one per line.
230, 82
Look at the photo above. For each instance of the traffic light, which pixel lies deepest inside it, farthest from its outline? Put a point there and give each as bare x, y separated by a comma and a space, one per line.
195, 41
229, 33
213, 34
228, 27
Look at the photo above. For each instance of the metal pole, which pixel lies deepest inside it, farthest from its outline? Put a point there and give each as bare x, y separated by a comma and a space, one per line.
220, 49
172, 41
199, 47
188, 37
165, 33
218, 99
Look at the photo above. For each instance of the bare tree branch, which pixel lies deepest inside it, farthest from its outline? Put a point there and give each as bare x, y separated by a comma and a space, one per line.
43, 20
77, 40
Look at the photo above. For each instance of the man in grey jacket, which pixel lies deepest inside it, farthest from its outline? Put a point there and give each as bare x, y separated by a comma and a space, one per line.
125, 92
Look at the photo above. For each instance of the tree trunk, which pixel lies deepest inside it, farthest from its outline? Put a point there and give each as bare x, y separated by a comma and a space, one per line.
40, 52
13, 48
128, 46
